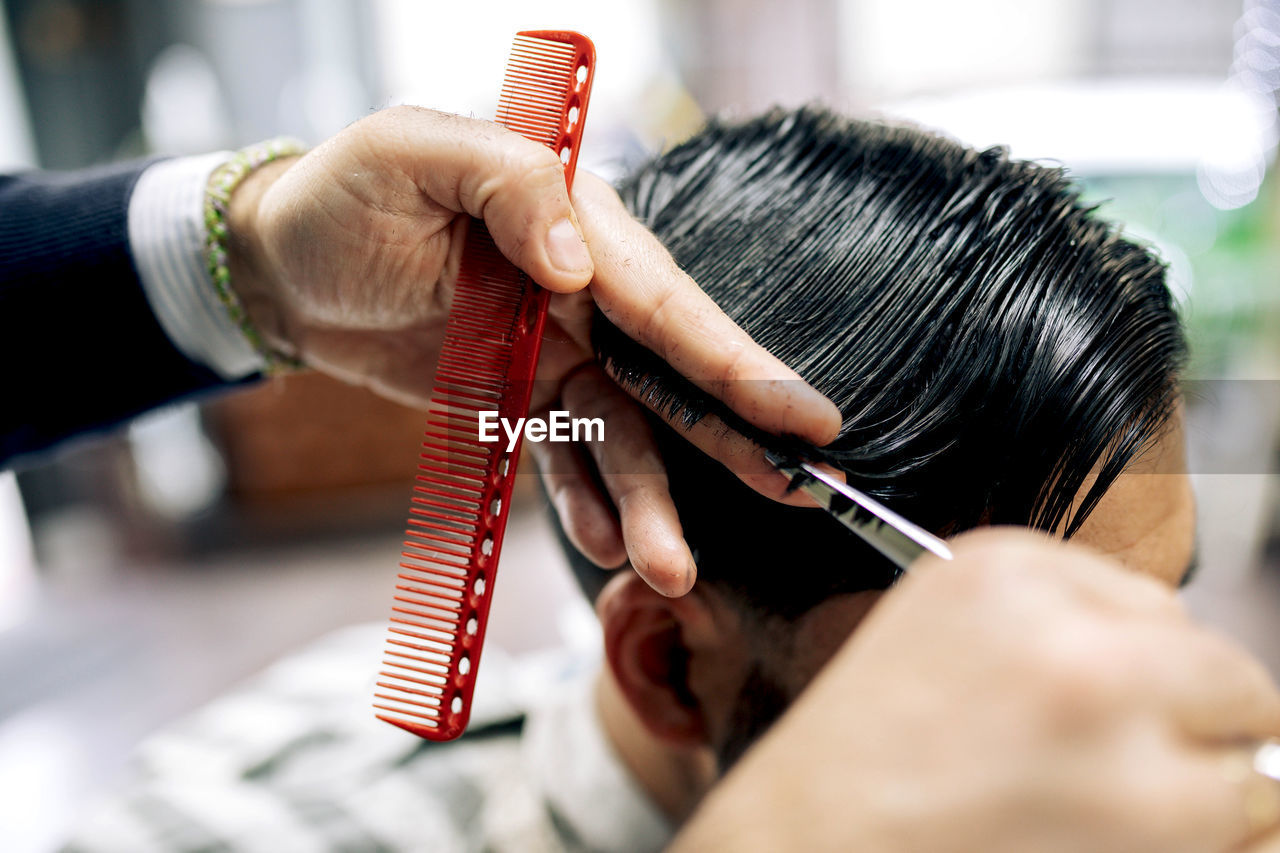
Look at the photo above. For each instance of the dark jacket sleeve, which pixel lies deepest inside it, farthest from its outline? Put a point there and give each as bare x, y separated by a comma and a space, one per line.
80, 350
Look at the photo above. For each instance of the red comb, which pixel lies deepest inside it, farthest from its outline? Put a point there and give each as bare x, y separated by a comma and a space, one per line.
463, 492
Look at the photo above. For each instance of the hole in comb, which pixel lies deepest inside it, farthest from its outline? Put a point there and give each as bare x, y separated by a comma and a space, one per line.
486, 546
504, 466
479, 586
456, 705
464, 665
495, 506
564, 155
581, 76
573, 116
472, 626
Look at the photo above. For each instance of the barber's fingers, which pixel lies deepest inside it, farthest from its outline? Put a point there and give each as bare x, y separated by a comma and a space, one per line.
1206, 685
1218, 692
744, 458
567, 342
641, 289
486, 171
585, 513
1246, 799
633, 473
1214, 689
1213, 799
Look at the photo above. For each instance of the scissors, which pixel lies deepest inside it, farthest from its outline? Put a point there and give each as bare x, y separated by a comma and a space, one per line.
899, 540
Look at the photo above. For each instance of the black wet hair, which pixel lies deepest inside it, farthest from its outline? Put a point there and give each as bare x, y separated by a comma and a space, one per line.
988, 339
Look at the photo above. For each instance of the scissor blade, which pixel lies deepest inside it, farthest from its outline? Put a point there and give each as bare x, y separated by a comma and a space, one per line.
880, 527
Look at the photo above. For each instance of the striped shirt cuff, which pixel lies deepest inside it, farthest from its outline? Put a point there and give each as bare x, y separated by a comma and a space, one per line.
166, 236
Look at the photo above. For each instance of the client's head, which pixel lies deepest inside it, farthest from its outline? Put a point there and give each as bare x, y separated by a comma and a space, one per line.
1000, 356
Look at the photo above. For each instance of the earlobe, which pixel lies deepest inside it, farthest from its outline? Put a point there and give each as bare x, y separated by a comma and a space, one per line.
650, 644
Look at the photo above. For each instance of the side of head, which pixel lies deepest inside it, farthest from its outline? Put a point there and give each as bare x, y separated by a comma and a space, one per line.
1000, 356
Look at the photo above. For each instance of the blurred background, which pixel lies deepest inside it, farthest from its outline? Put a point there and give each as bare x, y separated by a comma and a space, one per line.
145, 573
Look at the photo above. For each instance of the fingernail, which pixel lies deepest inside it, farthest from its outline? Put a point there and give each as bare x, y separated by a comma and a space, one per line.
566, 249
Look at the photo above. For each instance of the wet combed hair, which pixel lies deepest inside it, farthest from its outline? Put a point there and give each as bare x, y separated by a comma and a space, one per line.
987, 339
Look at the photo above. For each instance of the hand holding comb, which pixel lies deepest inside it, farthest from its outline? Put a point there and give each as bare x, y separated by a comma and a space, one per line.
462, 494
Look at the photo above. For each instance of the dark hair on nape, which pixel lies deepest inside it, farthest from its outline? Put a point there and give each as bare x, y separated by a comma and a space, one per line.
987, 339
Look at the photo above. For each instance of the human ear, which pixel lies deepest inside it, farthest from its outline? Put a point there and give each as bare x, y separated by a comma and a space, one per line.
654, 646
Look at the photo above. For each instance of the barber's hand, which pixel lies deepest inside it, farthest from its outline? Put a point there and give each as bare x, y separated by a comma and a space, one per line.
347, 258
642, 290
1028, 696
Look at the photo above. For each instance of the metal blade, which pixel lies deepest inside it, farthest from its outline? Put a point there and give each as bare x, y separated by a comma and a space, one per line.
880, 527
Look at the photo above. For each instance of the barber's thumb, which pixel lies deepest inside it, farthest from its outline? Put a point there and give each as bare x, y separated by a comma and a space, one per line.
553, 252
535, 227
567, 253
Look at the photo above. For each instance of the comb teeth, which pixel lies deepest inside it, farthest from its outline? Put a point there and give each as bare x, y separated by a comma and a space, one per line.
451, 541
539, 80
462, 490
544, 95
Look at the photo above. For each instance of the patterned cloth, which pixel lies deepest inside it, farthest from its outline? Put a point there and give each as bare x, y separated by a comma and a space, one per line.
296, 762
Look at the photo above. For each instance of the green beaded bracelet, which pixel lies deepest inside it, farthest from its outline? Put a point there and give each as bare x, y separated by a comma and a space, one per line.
217, 199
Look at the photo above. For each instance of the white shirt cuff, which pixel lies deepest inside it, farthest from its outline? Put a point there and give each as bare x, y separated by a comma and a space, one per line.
166, 236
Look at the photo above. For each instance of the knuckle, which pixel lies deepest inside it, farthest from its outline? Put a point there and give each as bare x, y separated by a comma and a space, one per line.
628, 495
1220, 651
402, 112
498, 165
539, 164
1219, 658
635, 499
1234, 670
1080, 682
652, 330
1074, 697
531, 168
407, 121
736, 368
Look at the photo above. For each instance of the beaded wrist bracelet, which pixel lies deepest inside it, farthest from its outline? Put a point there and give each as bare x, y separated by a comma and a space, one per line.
217, 200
